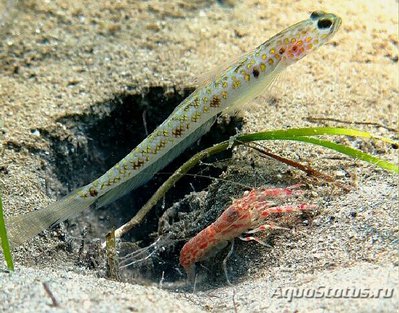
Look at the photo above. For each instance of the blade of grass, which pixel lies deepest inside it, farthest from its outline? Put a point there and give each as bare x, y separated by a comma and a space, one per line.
4, 240
329, 119
354, 153
312, 131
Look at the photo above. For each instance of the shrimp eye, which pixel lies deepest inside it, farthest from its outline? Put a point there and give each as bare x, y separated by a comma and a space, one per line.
324, 23
232, 215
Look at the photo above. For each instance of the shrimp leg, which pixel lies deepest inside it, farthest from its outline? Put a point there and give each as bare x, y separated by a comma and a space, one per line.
225, 262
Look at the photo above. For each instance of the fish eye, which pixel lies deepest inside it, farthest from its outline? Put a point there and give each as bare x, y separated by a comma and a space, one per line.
316, 14
324, 23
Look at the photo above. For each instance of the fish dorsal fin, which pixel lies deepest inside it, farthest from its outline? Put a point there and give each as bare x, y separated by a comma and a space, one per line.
212, 74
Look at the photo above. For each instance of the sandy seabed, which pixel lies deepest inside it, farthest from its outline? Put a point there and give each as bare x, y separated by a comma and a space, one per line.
63, 61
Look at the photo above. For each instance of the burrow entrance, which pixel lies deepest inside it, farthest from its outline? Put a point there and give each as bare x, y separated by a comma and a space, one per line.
104, 135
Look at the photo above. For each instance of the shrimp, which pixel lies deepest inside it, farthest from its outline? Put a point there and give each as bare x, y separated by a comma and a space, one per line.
245, 215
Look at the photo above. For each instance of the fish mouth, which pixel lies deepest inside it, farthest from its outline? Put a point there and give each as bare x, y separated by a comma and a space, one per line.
337, 24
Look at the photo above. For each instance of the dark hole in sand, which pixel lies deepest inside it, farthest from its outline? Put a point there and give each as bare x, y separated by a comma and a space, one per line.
107, 133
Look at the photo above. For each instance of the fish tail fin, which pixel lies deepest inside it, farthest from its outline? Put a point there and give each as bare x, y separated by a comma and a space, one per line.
23, 227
